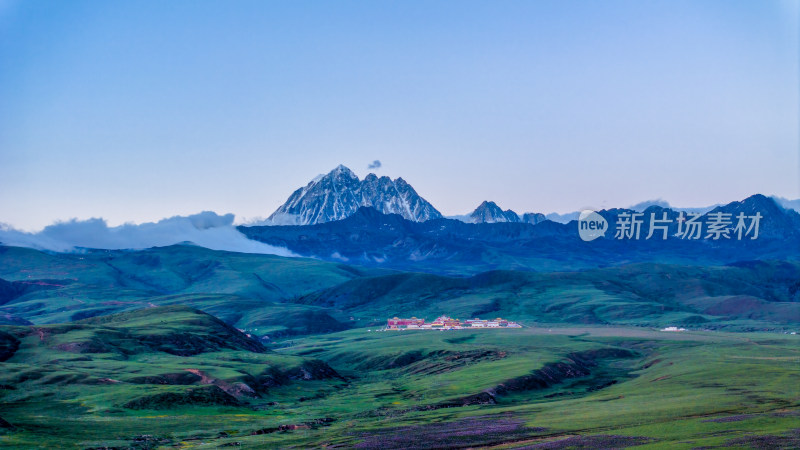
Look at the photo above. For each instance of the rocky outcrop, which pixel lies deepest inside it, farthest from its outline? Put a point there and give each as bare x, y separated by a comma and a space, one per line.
489, 212
8, 346
175, 379
482, 398
274, 377
574, 366
205, 396
316, 423
314, 369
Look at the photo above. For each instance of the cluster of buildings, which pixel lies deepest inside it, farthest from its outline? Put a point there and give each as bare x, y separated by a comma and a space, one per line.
447, 323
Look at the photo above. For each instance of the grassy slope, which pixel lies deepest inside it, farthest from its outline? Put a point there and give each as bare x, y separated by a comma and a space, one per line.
668, 391
756, 296
688, 378
240, 288
69, 384
269, 294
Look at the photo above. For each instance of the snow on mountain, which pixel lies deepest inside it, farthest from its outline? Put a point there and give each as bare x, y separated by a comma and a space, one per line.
338, 194
489, 212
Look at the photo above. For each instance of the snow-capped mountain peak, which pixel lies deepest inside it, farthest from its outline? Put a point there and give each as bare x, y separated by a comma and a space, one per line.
339, 193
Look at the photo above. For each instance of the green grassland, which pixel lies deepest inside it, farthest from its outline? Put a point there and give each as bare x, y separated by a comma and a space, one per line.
174, 376
748, 296
117, 349
276, 296
243, 289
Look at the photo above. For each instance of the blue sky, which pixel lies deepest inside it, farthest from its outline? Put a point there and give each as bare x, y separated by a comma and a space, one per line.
135, 111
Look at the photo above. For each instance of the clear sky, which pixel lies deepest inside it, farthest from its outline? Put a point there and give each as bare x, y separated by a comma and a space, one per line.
139, 110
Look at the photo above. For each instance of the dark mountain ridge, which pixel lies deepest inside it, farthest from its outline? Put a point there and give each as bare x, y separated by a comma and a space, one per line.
371, 238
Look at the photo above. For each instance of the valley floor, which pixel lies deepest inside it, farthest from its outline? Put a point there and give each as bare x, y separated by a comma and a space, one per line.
534, 387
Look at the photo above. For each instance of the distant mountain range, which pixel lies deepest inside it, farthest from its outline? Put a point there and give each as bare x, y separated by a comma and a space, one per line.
489, 212
385, 222
442, 245
340, 193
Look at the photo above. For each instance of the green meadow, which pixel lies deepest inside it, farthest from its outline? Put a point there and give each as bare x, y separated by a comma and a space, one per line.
186, 347
130, 381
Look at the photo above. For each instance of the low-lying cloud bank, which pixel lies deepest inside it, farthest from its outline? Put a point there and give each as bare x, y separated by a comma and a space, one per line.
206, 229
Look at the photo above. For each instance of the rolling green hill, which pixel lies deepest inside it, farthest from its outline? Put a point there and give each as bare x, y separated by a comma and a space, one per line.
277, 296
243, 289
107, 369
757, 295
173, 376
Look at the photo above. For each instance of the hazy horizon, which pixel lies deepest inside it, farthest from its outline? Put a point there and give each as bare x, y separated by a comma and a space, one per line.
135, 112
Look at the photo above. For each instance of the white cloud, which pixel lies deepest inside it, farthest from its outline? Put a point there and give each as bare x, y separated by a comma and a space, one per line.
206, 229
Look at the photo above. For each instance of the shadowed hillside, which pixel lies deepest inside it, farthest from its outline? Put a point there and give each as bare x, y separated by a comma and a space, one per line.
275, 296
242, 289
753, 295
